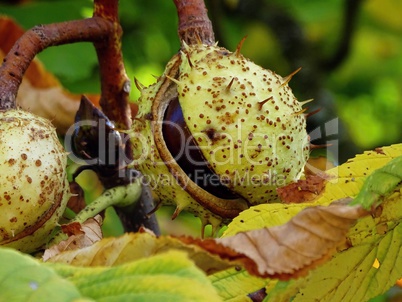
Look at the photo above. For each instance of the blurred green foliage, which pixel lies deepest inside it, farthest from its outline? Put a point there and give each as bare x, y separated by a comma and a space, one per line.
364, 91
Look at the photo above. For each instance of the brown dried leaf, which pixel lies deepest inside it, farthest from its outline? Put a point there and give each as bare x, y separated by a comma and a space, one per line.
283, 252
291, 250
303, 190
79, 236
40, 92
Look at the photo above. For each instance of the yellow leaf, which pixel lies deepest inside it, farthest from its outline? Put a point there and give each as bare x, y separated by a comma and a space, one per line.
344, 181
134, 246
349, 177
369, 265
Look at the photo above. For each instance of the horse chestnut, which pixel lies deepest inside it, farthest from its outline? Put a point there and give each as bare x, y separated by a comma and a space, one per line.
33, 184
218, 133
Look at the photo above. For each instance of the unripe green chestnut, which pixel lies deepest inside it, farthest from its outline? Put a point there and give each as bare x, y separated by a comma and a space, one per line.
218, 133
33, 183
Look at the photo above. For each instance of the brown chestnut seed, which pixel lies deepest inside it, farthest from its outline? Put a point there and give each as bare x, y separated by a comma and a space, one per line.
176, 136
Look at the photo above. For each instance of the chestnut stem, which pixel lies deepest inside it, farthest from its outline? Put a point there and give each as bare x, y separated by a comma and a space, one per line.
115, 84
139, 213
114, 101
122, 196
39, 38
194, 24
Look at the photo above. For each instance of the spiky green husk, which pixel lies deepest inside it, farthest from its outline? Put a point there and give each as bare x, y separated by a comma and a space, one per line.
156, 174
245, 119
33, 184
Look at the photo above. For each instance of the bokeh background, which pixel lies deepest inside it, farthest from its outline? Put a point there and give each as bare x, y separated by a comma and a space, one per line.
350, 53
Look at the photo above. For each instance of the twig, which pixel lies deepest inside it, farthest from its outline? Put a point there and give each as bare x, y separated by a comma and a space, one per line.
194, 24
39, 38
115, 84
114, 101
351, 10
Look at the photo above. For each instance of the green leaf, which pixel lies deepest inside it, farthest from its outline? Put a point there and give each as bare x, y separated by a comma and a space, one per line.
380, 183
166, 277
24, 279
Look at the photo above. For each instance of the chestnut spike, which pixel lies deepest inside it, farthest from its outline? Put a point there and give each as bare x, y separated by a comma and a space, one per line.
189, 60
239, 46
289, 77
198, 38
176, 213
300, 112
260, 104
215, 230
130, 131
312, 112
203, 225
313, 147
185, 46
305, 102
157, 206
216, 43
173, 80
227, 89
140, 119
138, 84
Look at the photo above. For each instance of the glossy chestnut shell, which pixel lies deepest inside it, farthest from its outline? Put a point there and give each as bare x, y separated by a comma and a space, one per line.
185, 151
